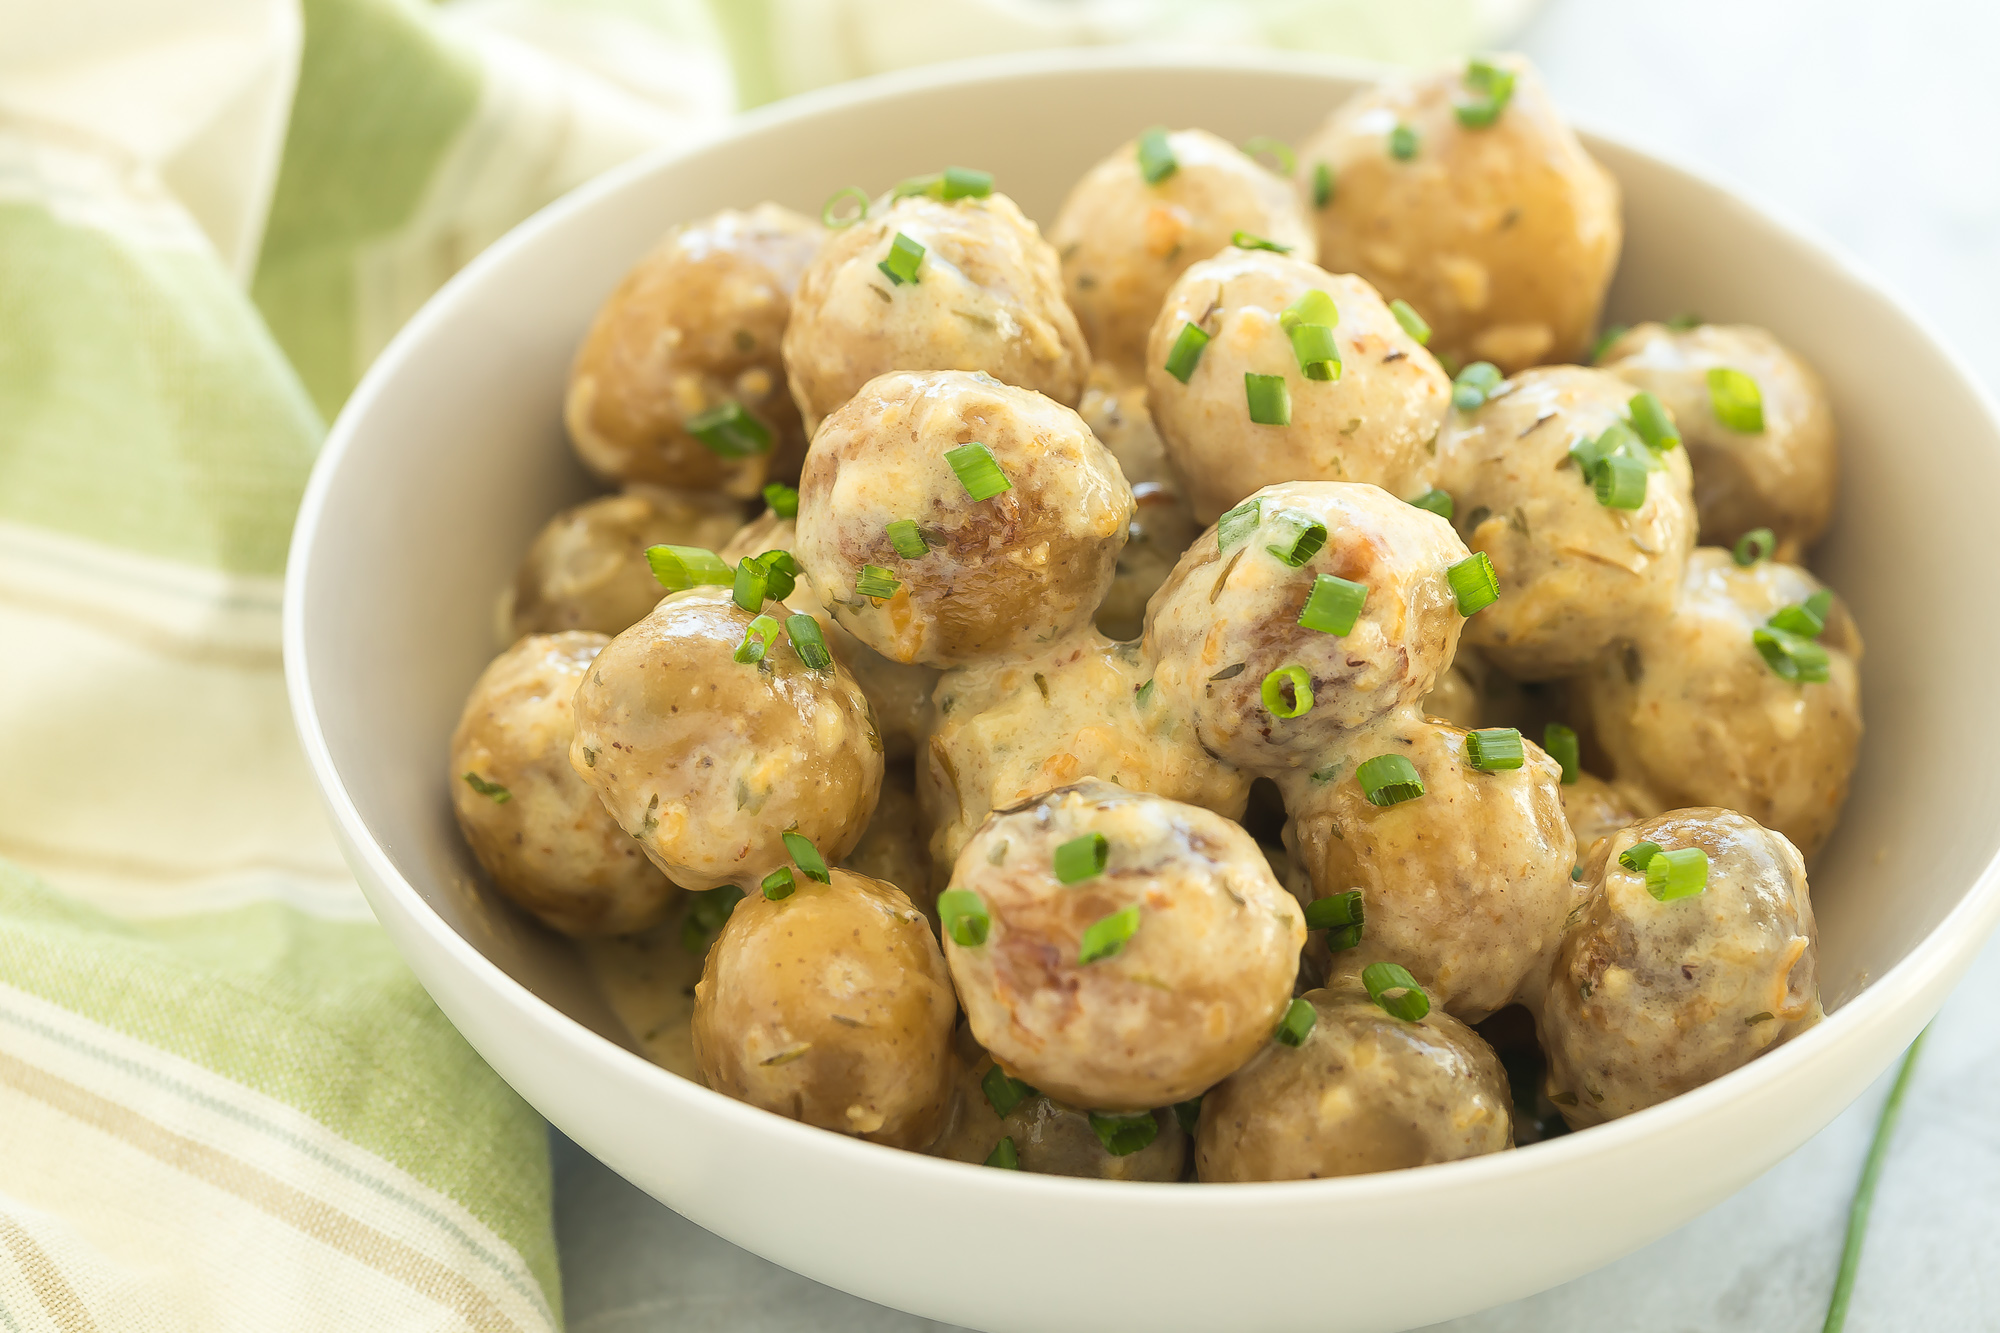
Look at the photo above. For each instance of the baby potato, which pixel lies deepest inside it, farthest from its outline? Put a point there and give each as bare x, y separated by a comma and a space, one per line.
1374, 420
536, 827
1132, 987
587, 568
985, 295
1597, 809
694, 327
831, 1006
705, 760
1455, 698
893, 847
1651, 998
1004, 569
1503, 235
1163, 523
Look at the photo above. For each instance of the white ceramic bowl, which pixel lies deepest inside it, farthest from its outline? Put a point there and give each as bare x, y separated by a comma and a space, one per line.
450, 455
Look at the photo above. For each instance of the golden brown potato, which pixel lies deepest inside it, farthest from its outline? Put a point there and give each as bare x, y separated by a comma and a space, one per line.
1785, 476
1651, 999
1376, 422
705, 760
1000, 576
987, 295
1597, 809
1123, 242
1163, 524
1504, 237
1227, 620
587, 568
893, 846
1467, 885
1136, 987
1574, 574
831, 1006
536, 827
695, 325
1363, 1092
1455, 698
1690, 712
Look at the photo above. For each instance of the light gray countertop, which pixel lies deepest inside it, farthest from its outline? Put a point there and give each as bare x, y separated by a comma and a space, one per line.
1879, 126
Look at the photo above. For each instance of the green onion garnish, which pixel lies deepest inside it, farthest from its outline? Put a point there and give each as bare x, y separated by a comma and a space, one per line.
951, 183
1754, 545
1864, 1192
1474, 583
1344, 938
1437, 501
978, 471
1313, 307
1188, 1113
1612, 333
1156, 156
1681, 323
1317, 352
1680, 873
1302, 538
1491, 87
1389, 779
1297, 1024
909, 542
875, 581
1413, 323
1807, 618
751, 585
1082, 858
729, 432
1186, 353
1004, 1093
708, 911
1005, 1155
1322, 185
498, 794
1638, 854
963, 915
1270, 401
1334, 604
779, 884
1238, 523
781, 573
1492, 749
1402, 143
829, 215
1294, 681
1391, 986
808, 642
679, 568
806, 856
1654, 424
1277, 148
1620, 482
757, 640
1474, 385
1335, 911
1243, 240
1794, 657
1123, 1135
904, 256
1143, 695
783, 499
1737, 401
1560, 742
1105, 938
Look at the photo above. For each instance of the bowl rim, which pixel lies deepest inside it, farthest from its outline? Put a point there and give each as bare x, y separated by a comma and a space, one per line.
1883, 1002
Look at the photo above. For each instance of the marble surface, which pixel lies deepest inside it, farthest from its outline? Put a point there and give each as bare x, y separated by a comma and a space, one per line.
1879, 126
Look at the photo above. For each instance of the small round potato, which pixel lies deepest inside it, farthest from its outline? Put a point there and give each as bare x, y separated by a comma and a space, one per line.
987, 295
893, 847
1650, 999
1574, 574
1783, 477
1597, 809
1000, 576
1689, 711
1503, 236
1467, 885
1123, 242
1163, 524
1363, 1092
1136, 987
705, 760
587, 568
536, 827
1226, 620
695, 325
1377, 421
831, 1006
1455, 698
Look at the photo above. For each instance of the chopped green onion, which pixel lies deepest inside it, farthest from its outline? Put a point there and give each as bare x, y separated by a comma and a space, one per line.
1736, 400
806, 856
1334, 604
757, 639
783, 499
1106, 937
1654, 424
909, 542
829, 215
1292, 680
781, 573
707, 912
1005, 1155
1474, 583
1346, 937
951, 183
1123, 1135
978, 471
779, 884
498, 794
1806, 618
679, 568
1317, 352
808, 642
1680, 873
1243, 240
1326, 774
1620, 482
1389, 779
1277, 148
1303, 539
1156, 156
1238, 523
1493, 749
1335, 911
904, 256
1864, 1191
1322, 185
729, 432
1436, 501
752, 585
1143, 695
1391, 986
963, 915
1681, 323
1270, 401
1230, 672
1313, 307
1297, 1024
1188, 1113
1186, 353
1792, 656
1413, 323
1082, 858
1402, 143
1474, 385
1004, 1093
875, 581
1754, 545
1612, 333
1492, 87
1560, 742
1638, 854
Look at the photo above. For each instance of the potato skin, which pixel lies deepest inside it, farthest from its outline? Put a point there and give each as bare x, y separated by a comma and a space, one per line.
1163, 523
1195, 991
1376, 423
831, 1007
1652, 999
696, 323
704, 760
1364, 1092
987, 296
1597, 809
549, 846
1504, 238
1123, 242
587, 567
1003, 576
